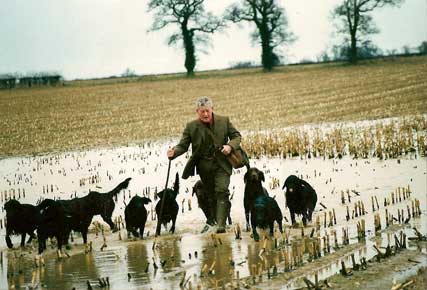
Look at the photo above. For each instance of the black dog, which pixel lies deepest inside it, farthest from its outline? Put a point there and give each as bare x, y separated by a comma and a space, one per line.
301, 198
20, 219
207, 203
136, 215
253, 188
82, 209
263, 214
170, 207
54, 223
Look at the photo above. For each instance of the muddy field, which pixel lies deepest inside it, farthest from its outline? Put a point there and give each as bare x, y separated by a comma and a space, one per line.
207, 260
91, 135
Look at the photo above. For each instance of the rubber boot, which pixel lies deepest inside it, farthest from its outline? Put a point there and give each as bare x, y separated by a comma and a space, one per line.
221, 215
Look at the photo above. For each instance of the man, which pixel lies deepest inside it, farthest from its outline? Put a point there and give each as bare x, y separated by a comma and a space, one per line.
212, 137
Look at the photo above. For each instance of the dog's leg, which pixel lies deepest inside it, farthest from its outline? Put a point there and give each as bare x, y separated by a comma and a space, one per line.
9, 241
279, 221
292, 217
108, 220
208, 214
158, 228
172, 230
32, 236
60, 240
141, 231
84, 234
42, 243
310, 213
230, 222
23, 239
135, 232
271, 228
304, 219
255, 233
65, 236
248, 228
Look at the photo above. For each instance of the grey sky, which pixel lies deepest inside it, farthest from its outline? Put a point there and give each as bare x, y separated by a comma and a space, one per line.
99, 38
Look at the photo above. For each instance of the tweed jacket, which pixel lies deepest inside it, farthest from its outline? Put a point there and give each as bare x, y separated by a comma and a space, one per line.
195, 132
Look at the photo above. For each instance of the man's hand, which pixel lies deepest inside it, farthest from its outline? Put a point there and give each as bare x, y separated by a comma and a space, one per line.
226, 149
170, 153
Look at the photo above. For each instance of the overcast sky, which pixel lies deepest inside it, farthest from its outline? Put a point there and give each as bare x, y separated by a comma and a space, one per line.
100, 38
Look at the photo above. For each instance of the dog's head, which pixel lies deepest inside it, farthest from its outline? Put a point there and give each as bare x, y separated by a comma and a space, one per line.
146, 200
170, 193
254, 175
11, 204
198, 189
291, 183
46, 204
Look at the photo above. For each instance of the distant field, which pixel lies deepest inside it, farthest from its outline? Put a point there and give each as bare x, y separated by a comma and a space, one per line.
88, 114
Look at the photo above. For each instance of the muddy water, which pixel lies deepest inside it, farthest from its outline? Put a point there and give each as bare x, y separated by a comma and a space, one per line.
125, 261
130, 265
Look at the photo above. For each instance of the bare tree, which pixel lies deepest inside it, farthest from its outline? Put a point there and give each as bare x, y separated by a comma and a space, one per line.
422, 48
356, 21
193, 23
271, 26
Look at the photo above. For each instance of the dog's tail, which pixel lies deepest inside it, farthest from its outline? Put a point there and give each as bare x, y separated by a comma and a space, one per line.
123, 185
176, 184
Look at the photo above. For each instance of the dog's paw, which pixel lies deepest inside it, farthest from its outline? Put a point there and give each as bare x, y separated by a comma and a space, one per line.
205, 228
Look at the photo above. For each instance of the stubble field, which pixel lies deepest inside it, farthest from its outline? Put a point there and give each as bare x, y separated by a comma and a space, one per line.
105, 113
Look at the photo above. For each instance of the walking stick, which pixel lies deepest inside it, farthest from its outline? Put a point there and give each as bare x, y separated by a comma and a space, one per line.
159, 218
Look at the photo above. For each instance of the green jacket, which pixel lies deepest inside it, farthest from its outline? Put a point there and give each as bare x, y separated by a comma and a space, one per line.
195, 132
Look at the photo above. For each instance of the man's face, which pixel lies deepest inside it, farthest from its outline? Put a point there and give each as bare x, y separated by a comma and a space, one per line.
204, 114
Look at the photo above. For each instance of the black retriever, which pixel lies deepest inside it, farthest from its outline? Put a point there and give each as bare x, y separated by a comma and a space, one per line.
253, 188
21, 219
170, 207
263, 214
81, 210
301, 198
136, 216
54, 223
207, 203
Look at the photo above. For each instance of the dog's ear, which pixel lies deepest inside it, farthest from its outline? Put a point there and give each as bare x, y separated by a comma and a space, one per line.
159, 194
261, 176
176, 184
146, 200
245, 177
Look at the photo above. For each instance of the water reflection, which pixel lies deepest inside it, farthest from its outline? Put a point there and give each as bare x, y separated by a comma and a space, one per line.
138, 264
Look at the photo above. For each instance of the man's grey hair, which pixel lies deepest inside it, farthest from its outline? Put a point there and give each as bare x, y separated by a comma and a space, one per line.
204, 101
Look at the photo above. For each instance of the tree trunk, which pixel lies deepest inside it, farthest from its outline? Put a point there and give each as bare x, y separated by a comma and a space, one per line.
190, 58
267, 51
353, 49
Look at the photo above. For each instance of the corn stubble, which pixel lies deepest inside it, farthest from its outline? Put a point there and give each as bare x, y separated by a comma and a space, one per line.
93, 114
